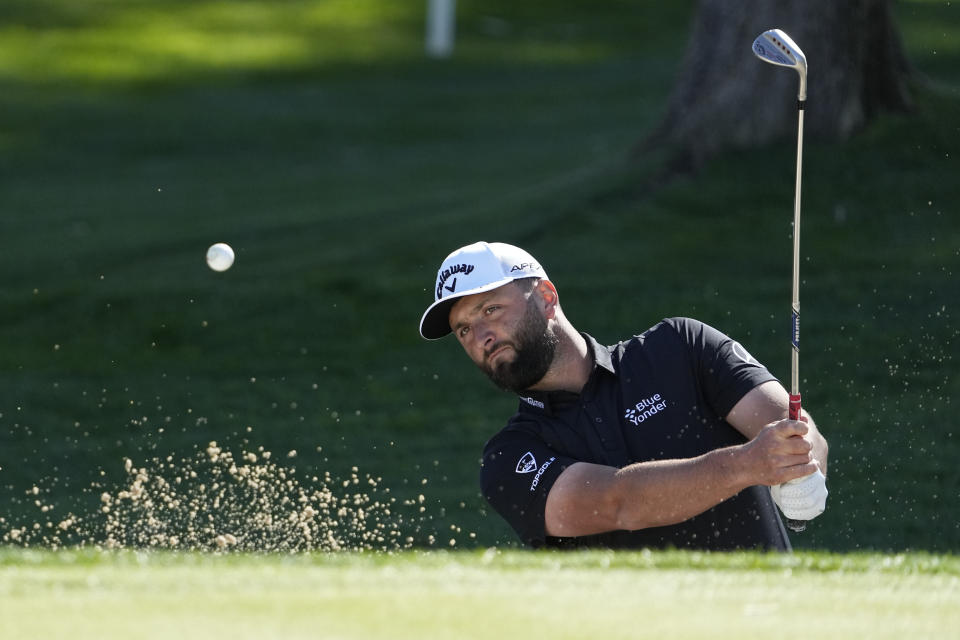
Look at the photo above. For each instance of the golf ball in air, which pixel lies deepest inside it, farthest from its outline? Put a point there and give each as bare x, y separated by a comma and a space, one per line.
220, 256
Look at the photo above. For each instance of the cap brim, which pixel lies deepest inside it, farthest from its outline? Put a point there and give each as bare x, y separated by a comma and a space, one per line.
435, 322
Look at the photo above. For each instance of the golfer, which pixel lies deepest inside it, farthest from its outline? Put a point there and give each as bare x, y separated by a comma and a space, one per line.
672, 438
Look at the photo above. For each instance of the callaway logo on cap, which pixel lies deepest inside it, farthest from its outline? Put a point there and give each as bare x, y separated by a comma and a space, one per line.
476, 268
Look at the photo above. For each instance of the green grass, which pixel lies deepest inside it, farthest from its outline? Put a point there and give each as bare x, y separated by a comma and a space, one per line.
342, 167
482, 594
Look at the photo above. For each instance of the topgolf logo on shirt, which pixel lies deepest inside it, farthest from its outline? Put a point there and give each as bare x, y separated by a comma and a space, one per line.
527, 463
646, 408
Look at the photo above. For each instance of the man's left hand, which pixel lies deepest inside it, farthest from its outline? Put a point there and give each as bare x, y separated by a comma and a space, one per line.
802, 499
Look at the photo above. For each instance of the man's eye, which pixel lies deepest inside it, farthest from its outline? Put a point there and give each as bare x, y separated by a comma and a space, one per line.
464, 331
491, 309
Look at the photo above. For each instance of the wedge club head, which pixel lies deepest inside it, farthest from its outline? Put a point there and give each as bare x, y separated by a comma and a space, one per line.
776, 47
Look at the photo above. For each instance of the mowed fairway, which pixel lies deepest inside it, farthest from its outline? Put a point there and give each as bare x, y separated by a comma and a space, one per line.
491, 594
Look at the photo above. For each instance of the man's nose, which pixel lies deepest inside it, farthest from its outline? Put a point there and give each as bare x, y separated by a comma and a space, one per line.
484, 334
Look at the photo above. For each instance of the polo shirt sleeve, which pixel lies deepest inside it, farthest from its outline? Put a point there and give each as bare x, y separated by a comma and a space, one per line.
725, 368
516, 475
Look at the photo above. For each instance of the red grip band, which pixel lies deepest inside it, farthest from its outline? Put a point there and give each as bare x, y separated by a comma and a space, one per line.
794, 406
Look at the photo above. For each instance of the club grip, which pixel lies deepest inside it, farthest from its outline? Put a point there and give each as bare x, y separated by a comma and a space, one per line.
794, 406
794, 413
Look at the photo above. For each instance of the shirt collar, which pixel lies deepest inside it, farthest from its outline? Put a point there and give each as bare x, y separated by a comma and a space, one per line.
601, 354
547, 401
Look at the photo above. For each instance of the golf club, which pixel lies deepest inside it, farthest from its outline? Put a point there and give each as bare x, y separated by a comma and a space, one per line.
776, 47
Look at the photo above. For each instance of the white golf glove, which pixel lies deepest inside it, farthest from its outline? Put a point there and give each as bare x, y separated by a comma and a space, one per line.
802, 499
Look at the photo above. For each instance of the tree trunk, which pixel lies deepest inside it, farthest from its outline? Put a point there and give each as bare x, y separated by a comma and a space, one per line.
726, 97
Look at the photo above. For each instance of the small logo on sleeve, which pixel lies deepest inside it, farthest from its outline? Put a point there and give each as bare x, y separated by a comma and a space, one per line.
527, 463
742, 353
543, 467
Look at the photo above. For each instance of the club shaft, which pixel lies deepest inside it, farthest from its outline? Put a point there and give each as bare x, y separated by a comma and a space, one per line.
792, 524
795, 339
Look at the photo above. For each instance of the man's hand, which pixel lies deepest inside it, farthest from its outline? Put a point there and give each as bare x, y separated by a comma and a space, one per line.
767, 404
779, 453
802, 499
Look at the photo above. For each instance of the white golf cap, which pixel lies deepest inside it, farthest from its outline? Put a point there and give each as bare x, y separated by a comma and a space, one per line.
475, 268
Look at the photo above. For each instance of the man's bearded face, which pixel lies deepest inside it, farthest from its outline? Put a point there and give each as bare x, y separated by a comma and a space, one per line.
534, 346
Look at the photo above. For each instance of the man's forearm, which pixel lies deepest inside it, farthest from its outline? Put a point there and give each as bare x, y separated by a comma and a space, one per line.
665, 492
590, 498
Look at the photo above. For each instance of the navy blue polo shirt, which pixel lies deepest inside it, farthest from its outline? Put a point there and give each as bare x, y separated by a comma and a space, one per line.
660, 395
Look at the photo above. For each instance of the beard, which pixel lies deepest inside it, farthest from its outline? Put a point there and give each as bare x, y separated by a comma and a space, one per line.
534, 346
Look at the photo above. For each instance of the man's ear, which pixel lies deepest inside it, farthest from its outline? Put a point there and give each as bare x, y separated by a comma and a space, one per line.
549, 297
